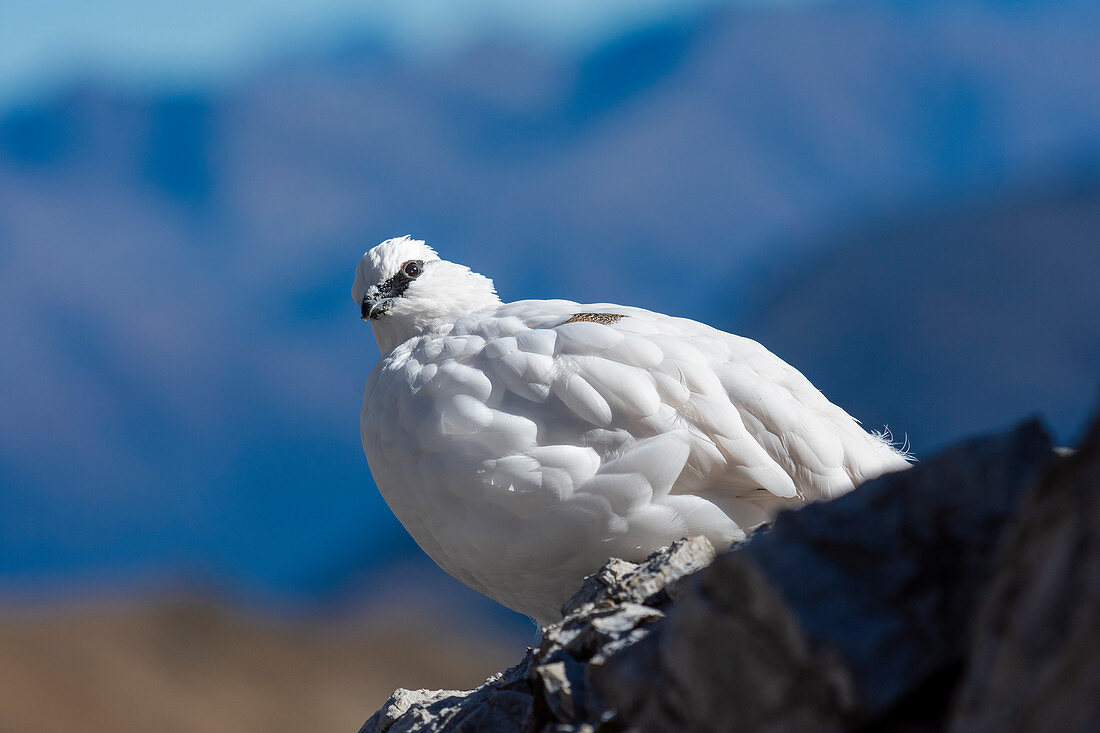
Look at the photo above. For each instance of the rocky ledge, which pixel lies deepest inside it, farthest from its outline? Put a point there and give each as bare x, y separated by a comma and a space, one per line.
960, 595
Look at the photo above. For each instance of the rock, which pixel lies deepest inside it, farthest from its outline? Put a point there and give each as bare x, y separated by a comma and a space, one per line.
730, 656
549, 690
830, 617
889, 576
504, 702
858, 614
1035, 661
620, 581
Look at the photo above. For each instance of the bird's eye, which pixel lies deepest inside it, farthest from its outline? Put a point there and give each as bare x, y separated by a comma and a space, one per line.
412, 269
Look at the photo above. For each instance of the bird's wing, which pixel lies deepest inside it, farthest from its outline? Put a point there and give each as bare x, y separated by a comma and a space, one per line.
641, 390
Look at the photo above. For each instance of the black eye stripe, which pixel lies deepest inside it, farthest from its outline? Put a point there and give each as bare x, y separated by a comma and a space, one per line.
396, 285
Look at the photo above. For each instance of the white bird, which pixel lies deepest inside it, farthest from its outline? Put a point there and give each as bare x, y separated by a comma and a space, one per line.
523, 444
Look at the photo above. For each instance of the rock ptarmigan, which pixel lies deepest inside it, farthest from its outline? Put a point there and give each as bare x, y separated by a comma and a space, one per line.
523, 444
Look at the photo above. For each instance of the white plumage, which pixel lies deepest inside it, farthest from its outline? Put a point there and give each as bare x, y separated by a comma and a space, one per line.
523, 444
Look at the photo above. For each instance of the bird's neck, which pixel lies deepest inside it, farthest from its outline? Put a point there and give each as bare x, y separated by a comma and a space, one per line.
390, 332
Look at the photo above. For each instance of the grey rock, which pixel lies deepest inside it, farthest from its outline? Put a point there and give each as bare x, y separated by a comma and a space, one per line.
729, 656
620, 581
889, 576
1035, 660
503, 702
833, 615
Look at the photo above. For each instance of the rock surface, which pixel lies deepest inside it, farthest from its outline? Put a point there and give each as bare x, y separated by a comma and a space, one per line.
1035, 661
894, 608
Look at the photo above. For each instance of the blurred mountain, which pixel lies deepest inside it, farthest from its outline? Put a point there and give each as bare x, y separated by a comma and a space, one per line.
954, 318
189, 666
182, 363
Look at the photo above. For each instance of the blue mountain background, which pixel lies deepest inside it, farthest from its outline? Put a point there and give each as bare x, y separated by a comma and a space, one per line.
901, 199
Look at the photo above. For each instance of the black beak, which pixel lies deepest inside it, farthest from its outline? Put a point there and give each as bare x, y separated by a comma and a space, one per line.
374, 309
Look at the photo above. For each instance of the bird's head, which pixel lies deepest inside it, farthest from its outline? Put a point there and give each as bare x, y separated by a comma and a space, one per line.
403, 288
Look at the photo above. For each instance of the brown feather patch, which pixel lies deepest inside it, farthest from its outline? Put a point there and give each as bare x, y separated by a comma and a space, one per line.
605, 318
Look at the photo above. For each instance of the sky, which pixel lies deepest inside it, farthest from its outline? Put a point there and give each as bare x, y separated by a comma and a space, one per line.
44, 44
